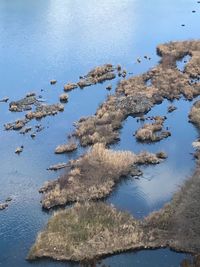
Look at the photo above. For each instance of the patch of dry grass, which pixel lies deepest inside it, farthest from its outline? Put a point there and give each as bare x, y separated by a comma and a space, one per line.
94, 175
194, 114
152, 132
91, 230
167, 82
85, 232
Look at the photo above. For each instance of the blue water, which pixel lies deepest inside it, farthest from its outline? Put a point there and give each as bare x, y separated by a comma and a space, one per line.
53, 39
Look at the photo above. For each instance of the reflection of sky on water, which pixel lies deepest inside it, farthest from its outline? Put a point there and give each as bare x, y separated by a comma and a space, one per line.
159, 182
45, 39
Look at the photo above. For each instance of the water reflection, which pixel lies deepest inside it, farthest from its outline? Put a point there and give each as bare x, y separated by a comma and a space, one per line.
46, 39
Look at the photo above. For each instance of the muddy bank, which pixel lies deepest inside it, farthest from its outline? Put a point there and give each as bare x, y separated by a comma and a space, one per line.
93, 175
88, 231
134, 96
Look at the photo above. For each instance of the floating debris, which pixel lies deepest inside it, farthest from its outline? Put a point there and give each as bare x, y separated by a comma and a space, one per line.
25, 130
19, 150
171, 108
109, 87
8, 199
52, 82
58, 166
5, 99
3, 206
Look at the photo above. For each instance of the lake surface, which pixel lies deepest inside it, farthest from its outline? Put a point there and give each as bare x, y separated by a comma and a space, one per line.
54, 39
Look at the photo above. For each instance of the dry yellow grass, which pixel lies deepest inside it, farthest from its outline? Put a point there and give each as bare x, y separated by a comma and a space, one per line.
152, 132
94, 175
194, 114
86, 231
166, 82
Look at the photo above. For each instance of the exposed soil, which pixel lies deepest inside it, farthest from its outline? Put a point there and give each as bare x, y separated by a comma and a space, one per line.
93, 175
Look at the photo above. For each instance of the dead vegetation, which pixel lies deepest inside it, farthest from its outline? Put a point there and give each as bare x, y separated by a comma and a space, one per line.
86, 231
135, 97
195, 262
16, 125
24, 103
66, 148
98, 75
94, 175
63, 98
91, 230
104, 126
57, 166
194, 115
152, 132
44, 110
171, 108
70, 86
177, 224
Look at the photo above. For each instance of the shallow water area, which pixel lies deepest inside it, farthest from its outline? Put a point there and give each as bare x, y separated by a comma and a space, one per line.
54, 39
